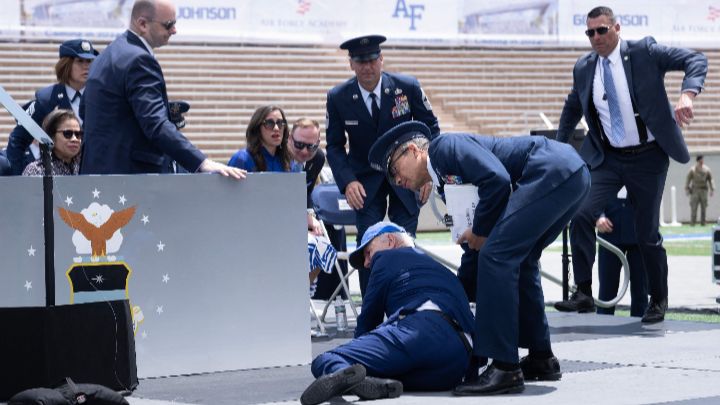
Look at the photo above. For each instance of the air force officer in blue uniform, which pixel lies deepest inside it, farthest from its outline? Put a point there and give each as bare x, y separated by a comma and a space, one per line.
528, 187
127, 119
72, 72
620, 90
425, 342
358, 112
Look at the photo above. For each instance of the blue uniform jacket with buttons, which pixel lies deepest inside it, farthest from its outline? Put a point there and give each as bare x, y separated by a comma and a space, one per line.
46, 100
349, 121
526, 167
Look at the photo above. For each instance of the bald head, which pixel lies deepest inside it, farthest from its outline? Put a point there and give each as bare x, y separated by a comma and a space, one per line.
153, 20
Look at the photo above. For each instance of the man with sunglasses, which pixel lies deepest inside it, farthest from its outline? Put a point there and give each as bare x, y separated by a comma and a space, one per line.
304, 146
127, 117
619, 88
358, 112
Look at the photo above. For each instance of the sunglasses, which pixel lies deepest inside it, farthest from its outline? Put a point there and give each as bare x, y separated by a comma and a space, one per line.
600, 30
270, 124
311, 147
168, 25
69, 133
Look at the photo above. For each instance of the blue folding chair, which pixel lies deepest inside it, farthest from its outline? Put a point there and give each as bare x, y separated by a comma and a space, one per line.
331, 207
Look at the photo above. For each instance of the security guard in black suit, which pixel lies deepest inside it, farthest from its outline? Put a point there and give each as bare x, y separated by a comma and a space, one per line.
358, 112
71, 71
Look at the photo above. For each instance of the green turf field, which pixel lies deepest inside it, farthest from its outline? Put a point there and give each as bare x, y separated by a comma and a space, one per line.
692, 247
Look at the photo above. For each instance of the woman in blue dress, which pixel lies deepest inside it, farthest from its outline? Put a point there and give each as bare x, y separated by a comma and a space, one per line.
267, 136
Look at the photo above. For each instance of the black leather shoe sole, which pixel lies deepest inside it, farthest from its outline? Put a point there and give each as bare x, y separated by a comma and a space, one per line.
332, 385
653, 318
377, 388
502, 390
542, 376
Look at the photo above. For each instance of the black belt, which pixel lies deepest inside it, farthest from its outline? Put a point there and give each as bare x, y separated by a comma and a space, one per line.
455, 325
633, 150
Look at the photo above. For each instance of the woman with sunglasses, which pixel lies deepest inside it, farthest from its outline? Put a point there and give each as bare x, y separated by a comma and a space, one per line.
267, 143
71, 71
64, 129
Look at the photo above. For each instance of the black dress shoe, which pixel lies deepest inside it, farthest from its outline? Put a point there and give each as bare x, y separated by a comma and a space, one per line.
333, 384
377, 388
655, 311
493, 381
578, 302
541, 369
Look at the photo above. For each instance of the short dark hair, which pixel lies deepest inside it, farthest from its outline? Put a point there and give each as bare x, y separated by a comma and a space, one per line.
52, 121
699, 158
602, 10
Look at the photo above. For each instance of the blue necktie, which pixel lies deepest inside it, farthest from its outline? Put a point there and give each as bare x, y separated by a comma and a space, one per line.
616, 121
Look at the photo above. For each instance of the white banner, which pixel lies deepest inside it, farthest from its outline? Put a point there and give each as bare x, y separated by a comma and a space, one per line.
673, 22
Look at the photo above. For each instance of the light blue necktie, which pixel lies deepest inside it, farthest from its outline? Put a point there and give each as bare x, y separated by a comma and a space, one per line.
616, 121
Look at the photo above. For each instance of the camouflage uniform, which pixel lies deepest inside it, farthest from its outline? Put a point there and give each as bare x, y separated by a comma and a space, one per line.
697, 184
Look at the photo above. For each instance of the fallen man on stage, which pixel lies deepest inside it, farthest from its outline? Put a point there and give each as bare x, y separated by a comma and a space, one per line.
424, 344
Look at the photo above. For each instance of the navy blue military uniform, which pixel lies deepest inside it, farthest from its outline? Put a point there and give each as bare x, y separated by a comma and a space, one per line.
620, 213
349, 121
46, 100
419, 348
528, 187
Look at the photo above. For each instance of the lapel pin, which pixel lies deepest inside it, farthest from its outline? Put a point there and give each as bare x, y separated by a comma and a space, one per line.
355, 96
398, 91
60, 95
626, 57
387, 90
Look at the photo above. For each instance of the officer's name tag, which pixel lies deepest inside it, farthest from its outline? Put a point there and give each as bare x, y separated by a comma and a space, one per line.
351, 122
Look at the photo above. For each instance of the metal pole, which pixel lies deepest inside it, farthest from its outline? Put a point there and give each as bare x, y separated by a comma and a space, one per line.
565, 265
49, 227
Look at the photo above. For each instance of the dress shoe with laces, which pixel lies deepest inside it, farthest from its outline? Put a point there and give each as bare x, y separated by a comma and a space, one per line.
333, 384
578, 302
377, 388
540, 369
493, 381
655, 311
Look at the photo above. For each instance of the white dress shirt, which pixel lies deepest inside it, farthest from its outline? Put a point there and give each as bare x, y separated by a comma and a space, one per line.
366, 95
70, 92
632, 137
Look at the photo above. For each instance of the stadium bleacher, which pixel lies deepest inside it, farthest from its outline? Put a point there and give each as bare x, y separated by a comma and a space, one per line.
498, 91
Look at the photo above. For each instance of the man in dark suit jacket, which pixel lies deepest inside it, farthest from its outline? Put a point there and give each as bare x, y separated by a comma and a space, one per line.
358, 112
425, 342
617, 226
528, 188
620, 89
127, 120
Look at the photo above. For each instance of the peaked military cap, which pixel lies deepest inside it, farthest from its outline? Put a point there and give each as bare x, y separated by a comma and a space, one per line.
383, 149
78, 48
363, 48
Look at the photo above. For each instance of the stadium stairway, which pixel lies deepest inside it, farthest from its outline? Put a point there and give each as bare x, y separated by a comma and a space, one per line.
497, 91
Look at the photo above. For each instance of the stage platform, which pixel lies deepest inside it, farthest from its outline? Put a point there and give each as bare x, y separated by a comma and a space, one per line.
604, 359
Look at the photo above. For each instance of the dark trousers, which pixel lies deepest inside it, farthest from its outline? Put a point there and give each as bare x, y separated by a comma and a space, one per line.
374, 211
327, 282
467, 272
422, 350
643, 175
609, 267
510, 310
